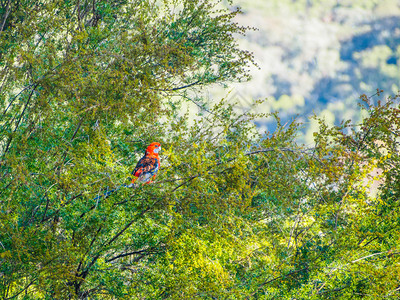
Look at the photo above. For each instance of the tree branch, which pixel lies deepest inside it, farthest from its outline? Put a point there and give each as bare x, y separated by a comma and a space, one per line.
8, 10
276, 278
147, 250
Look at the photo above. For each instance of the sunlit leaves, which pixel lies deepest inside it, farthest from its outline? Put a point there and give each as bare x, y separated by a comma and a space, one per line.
233, 213
85, 87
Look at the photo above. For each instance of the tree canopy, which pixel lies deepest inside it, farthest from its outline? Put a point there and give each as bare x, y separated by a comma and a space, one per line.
86, 85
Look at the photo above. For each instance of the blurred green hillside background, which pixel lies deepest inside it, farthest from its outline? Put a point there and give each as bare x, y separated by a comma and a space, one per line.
317, 56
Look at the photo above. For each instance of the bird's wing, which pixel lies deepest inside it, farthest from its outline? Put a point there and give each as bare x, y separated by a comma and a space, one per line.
146, 165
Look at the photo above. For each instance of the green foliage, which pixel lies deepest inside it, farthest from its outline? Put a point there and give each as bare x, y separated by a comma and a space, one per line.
233, 214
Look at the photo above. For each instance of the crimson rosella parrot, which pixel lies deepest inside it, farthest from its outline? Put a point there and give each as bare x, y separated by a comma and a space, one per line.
148, 166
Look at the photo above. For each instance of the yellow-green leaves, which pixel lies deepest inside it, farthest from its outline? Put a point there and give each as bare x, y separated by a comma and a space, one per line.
86, 86
233, 214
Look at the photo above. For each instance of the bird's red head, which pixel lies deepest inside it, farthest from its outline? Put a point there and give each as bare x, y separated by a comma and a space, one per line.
153, 149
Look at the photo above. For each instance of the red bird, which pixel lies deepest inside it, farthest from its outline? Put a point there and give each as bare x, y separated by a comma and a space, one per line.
148, 166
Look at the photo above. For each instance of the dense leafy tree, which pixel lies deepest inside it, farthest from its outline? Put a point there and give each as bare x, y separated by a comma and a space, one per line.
87, 85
